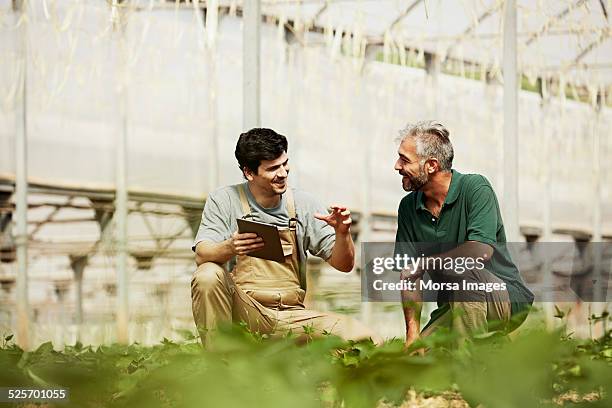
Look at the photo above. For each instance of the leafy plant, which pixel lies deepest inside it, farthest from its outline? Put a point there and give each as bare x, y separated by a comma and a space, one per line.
537, 368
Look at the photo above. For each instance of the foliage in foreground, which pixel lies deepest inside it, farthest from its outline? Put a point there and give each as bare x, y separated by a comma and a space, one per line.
244, 369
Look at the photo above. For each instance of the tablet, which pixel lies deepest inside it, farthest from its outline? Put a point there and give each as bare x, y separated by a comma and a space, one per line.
272, 250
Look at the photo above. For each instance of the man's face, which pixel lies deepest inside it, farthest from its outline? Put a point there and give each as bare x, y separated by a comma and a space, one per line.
408, 165
271, 175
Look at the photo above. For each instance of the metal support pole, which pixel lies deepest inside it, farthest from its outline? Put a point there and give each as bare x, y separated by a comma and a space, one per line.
432, 68
78, 263
21, 186
121, 197
213, 162
597, 233
365, 226
510, 203
544, 248
251, 18
208, 17
599, 295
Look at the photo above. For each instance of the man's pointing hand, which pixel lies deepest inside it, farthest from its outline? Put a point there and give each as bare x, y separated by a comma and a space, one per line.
339, 218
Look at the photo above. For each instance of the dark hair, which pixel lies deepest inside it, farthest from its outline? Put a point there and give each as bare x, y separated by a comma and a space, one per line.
259, 144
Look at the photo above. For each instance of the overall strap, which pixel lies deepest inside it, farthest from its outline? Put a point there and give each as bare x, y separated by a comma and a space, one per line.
293, 225
290, 203
246, 209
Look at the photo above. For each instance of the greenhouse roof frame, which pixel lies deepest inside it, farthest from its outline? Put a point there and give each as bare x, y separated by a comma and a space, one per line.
588, 69
583, 27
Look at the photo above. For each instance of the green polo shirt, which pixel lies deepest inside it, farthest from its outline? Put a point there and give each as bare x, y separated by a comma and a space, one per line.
470, 213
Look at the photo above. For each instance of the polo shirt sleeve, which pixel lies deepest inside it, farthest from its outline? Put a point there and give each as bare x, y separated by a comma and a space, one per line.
319, 237
214, 226
404, 244
402, 234
482, 217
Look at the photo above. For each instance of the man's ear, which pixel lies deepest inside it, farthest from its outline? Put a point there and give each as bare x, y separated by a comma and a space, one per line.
434, 166
248, 174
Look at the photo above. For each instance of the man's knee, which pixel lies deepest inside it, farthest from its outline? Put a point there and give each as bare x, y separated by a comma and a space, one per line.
470, 308
207, 277
469, 318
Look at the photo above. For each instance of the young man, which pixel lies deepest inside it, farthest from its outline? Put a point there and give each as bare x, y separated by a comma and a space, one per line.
267, 295
448, 218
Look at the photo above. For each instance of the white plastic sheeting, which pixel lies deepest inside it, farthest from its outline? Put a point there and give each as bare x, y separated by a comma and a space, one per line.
333, 109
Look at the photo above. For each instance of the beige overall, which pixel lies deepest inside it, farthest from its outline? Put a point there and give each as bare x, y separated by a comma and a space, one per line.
266, 295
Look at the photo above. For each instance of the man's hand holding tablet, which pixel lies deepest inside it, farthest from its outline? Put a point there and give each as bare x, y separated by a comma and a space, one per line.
263, 242
245, 243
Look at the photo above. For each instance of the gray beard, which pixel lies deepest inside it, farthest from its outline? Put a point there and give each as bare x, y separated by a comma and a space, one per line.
419, 181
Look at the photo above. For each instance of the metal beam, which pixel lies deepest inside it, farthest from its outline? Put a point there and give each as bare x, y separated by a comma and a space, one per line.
510, 74
488, 13
78, 248
40, 224
6, 213
192, 217
103, 213
603, 8
553, 20
320, 12
7, 184
251, 114
602, 38
99, 206
433, 66
151, 230
403, 14
78, 264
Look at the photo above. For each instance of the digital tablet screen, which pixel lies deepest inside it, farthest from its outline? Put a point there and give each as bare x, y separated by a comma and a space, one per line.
272, 250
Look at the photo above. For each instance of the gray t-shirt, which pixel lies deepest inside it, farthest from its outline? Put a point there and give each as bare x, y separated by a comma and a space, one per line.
223, 207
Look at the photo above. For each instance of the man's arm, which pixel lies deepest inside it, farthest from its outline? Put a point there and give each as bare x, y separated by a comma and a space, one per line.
343, 253
221, 252
412, 300
412, 304
469, 249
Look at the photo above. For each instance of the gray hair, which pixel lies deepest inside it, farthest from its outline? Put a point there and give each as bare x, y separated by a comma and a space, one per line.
432, 141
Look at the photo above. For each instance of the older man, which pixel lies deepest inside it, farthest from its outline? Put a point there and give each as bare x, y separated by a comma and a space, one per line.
448, 218
268, 296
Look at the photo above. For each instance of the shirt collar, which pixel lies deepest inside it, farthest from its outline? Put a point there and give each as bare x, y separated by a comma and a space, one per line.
451, 196
453, 189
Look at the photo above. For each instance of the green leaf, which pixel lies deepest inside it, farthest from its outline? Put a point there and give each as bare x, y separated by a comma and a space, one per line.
607, 353
575, 371
559, 314
187, 335
45, 348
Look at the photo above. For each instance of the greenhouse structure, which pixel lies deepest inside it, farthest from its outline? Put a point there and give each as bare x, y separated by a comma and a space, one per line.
118, 117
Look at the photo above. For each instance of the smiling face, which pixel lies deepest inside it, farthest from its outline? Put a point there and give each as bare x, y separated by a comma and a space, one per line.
408, 165
271, 176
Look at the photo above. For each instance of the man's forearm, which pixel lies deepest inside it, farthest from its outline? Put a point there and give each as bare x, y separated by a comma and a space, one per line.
412, 304
220, 252
343, 253
469, 249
